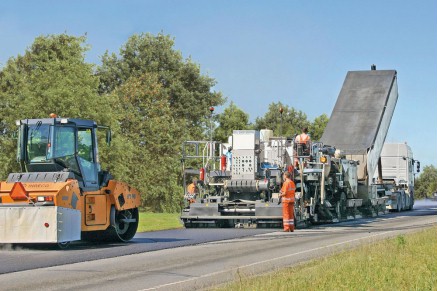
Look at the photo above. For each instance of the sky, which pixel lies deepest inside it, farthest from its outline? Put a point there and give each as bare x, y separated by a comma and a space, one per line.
259, 52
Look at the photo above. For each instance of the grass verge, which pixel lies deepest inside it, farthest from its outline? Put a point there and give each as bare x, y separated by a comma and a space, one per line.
158, 221
405, 262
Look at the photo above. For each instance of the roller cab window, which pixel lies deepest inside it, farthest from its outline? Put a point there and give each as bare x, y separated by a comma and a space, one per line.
38, 146
85, 154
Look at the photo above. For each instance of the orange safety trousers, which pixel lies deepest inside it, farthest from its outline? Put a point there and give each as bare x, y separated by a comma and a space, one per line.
288, 216
288, 189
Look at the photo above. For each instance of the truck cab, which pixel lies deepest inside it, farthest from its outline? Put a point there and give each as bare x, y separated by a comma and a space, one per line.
398, 170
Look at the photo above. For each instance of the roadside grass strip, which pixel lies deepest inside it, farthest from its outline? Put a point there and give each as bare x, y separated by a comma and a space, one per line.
405, 262
158, 221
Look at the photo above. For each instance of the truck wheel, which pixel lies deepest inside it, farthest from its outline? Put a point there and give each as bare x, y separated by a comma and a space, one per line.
124, 223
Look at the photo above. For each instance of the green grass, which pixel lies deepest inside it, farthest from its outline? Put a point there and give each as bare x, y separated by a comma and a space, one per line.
405, 262
158, 221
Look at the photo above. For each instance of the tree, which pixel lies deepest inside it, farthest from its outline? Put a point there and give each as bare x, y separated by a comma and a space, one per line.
426, 184
190, 93
152, 139
232, 118
318, 126
292, 121
51, 76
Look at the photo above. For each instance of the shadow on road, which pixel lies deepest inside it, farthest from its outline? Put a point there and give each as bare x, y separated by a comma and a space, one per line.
78, 245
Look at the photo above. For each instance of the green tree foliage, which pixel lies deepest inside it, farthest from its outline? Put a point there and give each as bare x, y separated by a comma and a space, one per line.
426, 184
152, 139
189, 92
318, 126
232, 118
51, 76
292, 121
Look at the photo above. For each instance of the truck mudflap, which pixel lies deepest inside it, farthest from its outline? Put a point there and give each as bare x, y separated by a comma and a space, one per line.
44, 224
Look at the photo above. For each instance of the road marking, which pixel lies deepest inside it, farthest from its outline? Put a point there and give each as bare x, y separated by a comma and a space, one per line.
262, 262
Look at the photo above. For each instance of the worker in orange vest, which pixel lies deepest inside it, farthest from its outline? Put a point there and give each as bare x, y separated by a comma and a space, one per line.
302, 143
192, 188
303, 137
192, 191
287, 196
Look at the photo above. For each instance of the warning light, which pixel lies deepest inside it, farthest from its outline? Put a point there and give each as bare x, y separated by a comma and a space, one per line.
46, 224
53, 115
323, 159
44, 199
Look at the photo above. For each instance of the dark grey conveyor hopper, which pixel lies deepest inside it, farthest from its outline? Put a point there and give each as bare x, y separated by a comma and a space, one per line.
361, 118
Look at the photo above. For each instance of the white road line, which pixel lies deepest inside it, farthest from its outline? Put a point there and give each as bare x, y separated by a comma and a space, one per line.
262, 262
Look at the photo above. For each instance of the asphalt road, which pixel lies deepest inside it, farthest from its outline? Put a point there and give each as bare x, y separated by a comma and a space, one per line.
194, 258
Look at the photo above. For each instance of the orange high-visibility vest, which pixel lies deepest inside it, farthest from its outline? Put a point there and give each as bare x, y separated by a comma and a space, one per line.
191, 189
288, 188
303, 138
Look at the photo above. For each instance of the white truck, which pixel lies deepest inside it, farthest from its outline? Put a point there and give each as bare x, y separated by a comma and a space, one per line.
398, 175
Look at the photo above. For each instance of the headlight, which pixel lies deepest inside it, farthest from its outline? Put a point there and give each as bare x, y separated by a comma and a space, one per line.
323, 159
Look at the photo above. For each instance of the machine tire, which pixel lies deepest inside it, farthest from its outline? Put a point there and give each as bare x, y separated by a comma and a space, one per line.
398, 205
123, 231
118, 231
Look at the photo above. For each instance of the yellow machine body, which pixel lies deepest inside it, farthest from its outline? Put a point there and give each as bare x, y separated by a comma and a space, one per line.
94, 206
